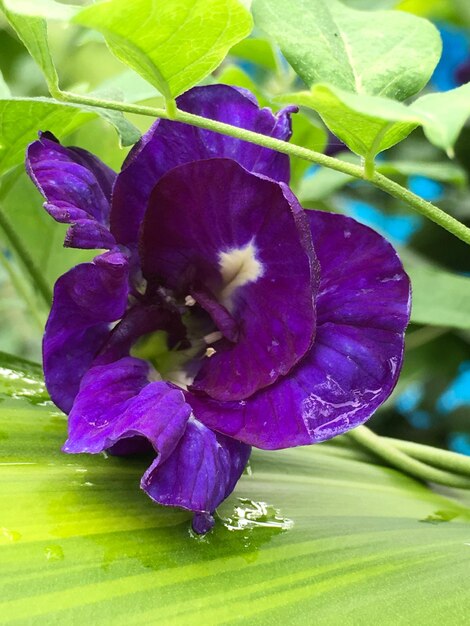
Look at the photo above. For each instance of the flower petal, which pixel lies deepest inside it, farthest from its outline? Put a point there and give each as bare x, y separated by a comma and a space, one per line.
116, 403
77, 188
168, 144
86, 300
363, 309
246, 239
200, 473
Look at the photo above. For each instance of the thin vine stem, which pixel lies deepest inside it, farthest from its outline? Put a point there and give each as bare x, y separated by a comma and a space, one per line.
382, 448
423, 207
444, 459
23, 254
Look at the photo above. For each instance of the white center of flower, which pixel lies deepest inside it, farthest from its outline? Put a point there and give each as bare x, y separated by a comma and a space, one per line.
238, 267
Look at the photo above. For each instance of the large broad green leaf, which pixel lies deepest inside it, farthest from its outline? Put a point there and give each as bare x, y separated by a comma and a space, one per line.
371, 124
357, 65
440, 298
172, 44
383, 53
367, 124
340, 538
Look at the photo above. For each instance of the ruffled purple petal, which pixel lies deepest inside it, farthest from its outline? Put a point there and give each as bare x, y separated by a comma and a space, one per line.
88, 234
77, 187
363, 308
169, 144
246, 239
86, 300
200, 473
116, 403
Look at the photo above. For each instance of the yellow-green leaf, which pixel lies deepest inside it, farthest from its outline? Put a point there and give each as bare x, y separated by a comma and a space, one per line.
172, 44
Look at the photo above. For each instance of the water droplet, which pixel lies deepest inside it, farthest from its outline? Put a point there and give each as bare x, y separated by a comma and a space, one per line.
53, 553
250, 514
438, 517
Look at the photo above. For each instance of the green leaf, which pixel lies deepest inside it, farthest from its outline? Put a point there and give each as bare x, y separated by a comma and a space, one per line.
127, 132
381, 53
257, 51
440, 298
371, 124
27, 19
367, 124
172, 44
22, 118
20, 378
340, 538
444, 115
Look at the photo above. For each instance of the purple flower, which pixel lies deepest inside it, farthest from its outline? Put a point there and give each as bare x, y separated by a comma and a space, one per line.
282, 326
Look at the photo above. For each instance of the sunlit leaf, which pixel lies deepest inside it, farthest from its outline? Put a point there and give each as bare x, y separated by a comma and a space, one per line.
382, 53
339, 538
172, 44
367, 124
48, 9
371, 124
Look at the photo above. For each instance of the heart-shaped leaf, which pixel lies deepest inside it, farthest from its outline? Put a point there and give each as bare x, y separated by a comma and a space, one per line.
172, 44
380, 53
371, 124
367, 124
341, 538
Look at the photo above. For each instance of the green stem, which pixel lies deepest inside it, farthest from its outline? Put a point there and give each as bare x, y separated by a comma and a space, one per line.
397, 458
444, 459
171, 108
25, 257
423, 207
